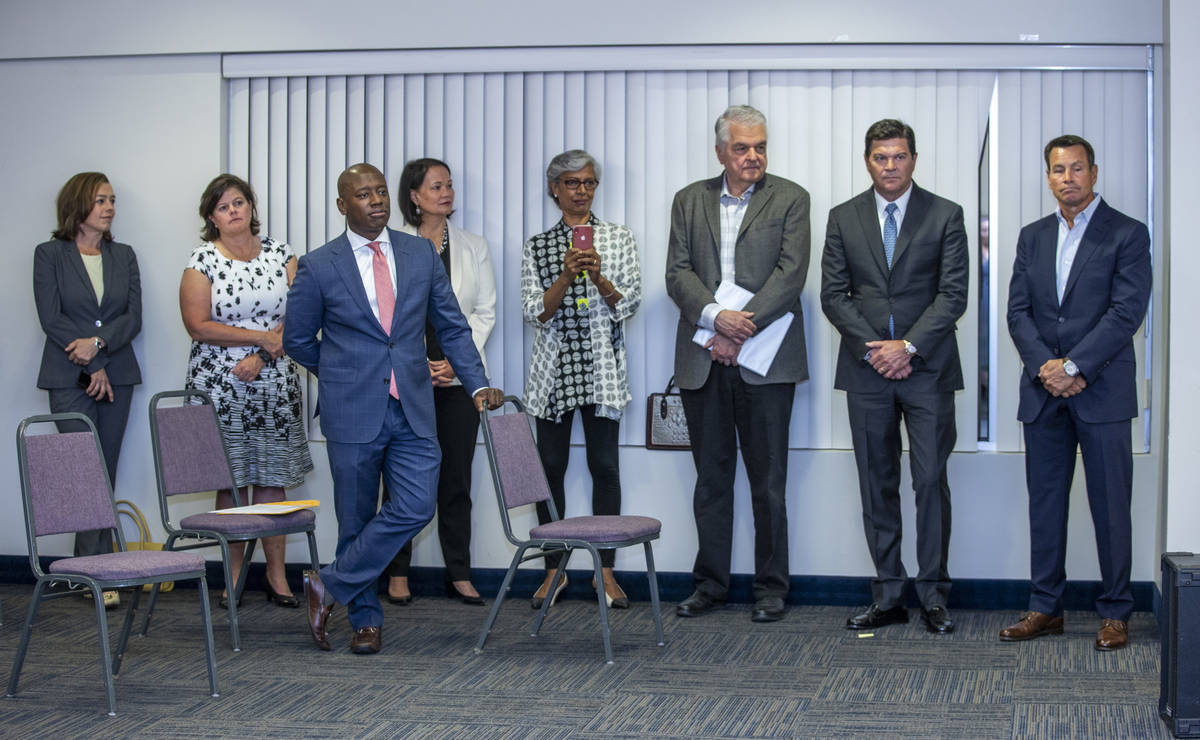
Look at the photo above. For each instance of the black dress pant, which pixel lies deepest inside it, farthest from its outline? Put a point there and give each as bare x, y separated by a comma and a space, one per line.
600, 437
724, 411
457, 429
875, 429
110, 418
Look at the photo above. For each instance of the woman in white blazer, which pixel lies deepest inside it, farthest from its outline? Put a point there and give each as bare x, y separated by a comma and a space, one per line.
426, 198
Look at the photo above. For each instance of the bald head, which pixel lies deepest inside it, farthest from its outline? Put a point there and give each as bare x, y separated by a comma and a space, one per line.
363, 199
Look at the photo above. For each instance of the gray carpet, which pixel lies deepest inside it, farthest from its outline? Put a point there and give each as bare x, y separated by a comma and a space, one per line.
717, 676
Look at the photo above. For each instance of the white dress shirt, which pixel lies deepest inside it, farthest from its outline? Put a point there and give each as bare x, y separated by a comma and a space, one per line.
901, 208
733, 212
364, 255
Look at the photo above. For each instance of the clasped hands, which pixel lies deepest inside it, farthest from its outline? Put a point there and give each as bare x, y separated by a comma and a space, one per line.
1055, 379
251, 365
890, 358
733, 328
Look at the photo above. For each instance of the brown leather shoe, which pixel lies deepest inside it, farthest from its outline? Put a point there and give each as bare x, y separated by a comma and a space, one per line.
318, 610
1032, 624
1113, 635
366, 641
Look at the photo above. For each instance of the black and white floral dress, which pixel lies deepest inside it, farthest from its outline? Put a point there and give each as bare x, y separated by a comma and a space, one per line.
262, 420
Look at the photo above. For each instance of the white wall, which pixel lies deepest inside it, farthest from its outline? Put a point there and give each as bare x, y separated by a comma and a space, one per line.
154, 124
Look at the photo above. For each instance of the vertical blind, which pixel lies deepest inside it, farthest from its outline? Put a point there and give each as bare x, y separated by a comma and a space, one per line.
651, 131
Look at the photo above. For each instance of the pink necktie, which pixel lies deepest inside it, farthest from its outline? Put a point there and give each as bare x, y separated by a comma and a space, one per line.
386, 299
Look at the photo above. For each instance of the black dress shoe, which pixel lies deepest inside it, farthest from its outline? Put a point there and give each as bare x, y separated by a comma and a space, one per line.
697, 604
404, 600
875, 617
453, 592
768, 609
937, 620
287, 600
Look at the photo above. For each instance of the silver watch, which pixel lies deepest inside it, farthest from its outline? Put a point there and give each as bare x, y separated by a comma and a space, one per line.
909, 347
1070, 368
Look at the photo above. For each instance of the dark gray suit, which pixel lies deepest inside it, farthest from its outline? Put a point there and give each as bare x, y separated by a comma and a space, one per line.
67, 309
771, 261
925, 291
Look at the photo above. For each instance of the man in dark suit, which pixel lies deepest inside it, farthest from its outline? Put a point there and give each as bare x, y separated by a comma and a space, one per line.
894, 282
1079, 290
368, 292
750, 228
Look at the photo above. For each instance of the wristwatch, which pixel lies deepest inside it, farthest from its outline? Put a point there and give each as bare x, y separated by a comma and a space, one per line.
98, 342
1070, 368
264, 355
909, 347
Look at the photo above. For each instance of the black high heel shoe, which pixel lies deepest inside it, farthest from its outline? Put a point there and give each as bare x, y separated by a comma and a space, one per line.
290, 601
223, 602
453, 592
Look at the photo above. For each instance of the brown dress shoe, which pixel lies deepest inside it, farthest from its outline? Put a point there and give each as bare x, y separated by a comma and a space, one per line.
1032, 624
366, 641
318, 610
1113, 635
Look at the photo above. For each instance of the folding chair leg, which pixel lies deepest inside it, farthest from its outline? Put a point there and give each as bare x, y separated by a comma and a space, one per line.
559, 573
19, 658
105, 655
206, 621
125, 629
605, 631
652, 576
508, 578
230, 598
312, 550
245, 569
168, 545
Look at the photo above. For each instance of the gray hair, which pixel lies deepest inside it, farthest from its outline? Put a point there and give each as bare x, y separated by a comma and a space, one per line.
572, 160
743, 115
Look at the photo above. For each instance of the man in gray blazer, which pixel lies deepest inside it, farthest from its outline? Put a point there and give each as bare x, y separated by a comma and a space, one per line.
894, 282
750, 228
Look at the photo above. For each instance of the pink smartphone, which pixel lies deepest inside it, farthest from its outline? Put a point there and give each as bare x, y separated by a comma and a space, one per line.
581, 237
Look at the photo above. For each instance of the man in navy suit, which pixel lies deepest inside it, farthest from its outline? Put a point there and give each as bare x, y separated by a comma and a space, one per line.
1079, 291
894, 282
368, 293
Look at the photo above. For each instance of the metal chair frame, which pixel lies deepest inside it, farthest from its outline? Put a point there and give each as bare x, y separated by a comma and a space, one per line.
179, 538
546, 547
110, 662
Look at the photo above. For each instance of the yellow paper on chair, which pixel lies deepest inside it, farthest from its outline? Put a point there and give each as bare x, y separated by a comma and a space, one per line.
279, 507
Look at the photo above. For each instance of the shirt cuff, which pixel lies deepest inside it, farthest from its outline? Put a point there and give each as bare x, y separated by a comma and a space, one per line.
476, 391
708, 317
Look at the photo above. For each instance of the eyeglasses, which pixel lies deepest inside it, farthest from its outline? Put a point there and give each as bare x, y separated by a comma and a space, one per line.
573, 183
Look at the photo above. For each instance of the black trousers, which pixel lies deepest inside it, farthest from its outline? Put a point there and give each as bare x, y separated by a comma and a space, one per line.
457, 428
110, 418
600, 437
724, 411
1051, 441
875, 429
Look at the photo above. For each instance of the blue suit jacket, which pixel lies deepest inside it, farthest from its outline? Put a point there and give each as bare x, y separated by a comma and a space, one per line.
354, 358
1102, 307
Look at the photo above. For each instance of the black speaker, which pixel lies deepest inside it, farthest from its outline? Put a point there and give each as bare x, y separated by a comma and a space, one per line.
1179, 700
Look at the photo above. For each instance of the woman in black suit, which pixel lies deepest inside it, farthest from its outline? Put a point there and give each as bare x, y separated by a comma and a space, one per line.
89, 302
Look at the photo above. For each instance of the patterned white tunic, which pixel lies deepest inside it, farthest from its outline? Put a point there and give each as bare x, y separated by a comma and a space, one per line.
588, 338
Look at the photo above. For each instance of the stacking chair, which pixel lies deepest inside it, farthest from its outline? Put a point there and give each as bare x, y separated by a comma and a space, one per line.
65, 488
190, 457
520, 480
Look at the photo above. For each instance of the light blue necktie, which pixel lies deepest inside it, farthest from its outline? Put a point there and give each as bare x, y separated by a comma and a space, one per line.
889, 249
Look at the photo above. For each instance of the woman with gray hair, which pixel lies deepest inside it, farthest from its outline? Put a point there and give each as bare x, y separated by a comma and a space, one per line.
580, 280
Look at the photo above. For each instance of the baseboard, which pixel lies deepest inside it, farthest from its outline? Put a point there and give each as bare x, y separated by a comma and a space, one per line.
968, 593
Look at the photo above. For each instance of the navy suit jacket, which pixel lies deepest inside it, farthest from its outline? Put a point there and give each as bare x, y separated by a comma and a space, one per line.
353, 358
925, 289
68, 309
1102, 307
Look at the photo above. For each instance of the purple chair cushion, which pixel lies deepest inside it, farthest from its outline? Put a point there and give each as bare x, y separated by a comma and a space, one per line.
248, 524
521, 477
597, 528
68, 484
123, 566
193, 453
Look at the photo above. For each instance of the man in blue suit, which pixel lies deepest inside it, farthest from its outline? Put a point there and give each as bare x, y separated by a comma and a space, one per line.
369, 293
1079, 291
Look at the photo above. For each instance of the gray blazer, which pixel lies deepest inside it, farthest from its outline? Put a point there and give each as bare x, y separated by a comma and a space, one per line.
771, 261
67, 309
926, 289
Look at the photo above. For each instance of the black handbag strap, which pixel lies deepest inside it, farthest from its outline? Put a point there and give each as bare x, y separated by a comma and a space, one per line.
662, 404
